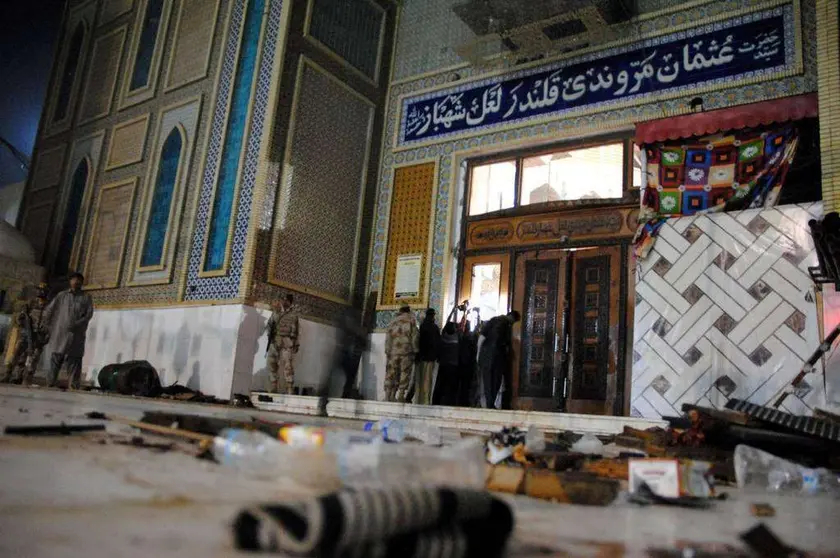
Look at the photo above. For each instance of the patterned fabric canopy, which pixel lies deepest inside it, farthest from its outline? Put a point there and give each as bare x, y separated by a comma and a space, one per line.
729, 172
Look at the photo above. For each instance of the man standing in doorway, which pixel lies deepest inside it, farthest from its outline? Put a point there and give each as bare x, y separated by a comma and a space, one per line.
428, 356
282, 331
68, 316
401, 345
494, 350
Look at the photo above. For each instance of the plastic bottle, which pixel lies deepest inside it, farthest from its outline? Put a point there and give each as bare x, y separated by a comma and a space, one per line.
398, 431
758, 469
589, 445
256, 454
534, 440
381, 464
302, 436
426, 433
390, 430
336, 440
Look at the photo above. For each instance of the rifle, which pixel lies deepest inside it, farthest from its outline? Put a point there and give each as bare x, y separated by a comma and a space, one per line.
27, 319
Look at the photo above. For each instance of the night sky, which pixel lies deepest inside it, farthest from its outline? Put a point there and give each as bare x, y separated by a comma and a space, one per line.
28, 34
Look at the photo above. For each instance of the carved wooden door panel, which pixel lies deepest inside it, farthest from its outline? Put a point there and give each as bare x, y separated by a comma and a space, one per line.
539, 297
594, 330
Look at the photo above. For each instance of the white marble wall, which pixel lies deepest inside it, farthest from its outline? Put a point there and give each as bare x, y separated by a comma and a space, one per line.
317, 348
372, 372
219, 350
725, 308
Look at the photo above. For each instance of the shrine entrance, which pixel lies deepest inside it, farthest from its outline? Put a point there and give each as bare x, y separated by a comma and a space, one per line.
548, 233
566, 353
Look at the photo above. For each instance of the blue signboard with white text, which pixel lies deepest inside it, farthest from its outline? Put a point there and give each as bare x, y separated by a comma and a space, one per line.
747, 47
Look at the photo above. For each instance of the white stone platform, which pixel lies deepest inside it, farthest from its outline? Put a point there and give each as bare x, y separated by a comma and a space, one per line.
460, 418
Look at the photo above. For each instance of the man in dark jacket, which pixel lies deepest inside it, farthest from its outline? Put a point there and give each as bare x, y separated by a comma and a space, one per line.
448, 378
494, 351
427, 357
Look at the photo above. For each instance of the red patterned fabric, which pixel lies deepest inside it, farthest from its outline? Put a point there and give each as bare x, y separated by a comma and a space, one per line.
735, 118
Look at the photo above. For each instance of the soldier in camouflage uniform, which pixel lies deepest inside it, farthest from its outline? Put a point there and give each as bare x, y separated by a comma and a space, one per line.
401, 346
282, 331
32, 337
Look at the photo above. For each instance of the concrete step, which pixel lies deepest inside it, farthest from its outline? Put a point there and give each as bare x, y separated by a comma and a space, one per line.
460, 418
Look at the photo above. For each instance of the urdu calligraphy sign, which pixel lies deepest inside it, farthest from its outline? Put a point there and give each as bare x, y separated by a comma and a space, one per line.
753, 46
548, 228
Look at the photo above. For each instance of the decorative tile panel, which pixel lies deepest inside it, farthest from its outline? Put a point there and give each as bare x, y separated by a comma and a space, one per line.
128, 140
352, 29
746, 329
112, 9
227, 286
409, 226
180, 119
192, 43
47, 171
72, 55
142, 68
320, 198
428, 31
224, 194
109, 233
34, 219
98, 94
86, 151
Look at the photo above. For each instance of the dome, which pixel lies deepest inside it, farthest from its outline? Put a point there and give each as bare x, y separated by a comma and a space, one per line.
14, 245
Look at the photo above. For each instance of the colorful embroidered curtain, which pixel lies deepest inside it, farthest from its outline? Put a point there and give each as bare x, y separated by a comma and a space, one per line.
730, 172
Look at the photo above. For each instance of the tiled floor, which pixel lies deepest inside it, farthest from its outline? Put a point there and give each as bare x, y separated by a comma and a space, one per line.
69, 497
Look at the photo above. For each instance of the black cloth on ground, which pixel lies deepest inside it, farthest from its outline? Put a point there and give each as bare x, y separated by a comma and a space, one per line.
398, 522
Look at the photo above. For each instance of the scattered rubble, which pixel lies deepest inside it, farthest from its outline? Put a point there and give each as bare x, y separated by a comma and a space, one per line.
702, 457
52, 429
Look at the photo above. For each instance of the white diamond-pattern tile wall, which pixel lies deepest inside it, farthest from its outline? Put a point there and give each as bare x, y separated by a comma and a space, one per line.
725, 308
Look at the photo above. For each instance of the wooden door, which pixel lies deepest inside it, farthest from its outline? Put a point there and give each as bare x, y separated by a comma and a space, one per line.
539, 296
494, 293
594, 330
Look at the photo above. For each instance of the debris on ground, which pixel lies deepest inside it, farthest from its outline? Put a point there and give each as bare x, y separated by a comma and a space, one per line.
140, 379
671, 478
589, 444
162, 430
140, 442
763, 542
644, 495
762, 510
208, 425
375, 522
52, 429
135, 377
684, 465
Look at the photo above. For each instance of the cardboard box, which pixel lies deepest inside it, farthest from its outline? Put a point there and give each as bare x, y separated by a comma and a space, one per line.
672, 478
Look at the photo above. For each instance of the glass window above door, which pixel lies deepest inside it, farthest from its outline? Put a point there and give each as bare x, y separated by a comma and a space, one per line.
576, 174
564, 175
492, 187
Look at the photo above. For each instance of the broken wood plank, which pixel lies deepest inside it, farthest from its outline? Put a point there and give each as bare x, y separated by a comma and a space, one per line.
162, 430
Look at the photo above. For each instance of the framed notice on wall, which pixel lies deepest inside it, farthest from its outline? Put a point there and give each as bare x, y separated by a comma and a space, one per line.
407, 283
